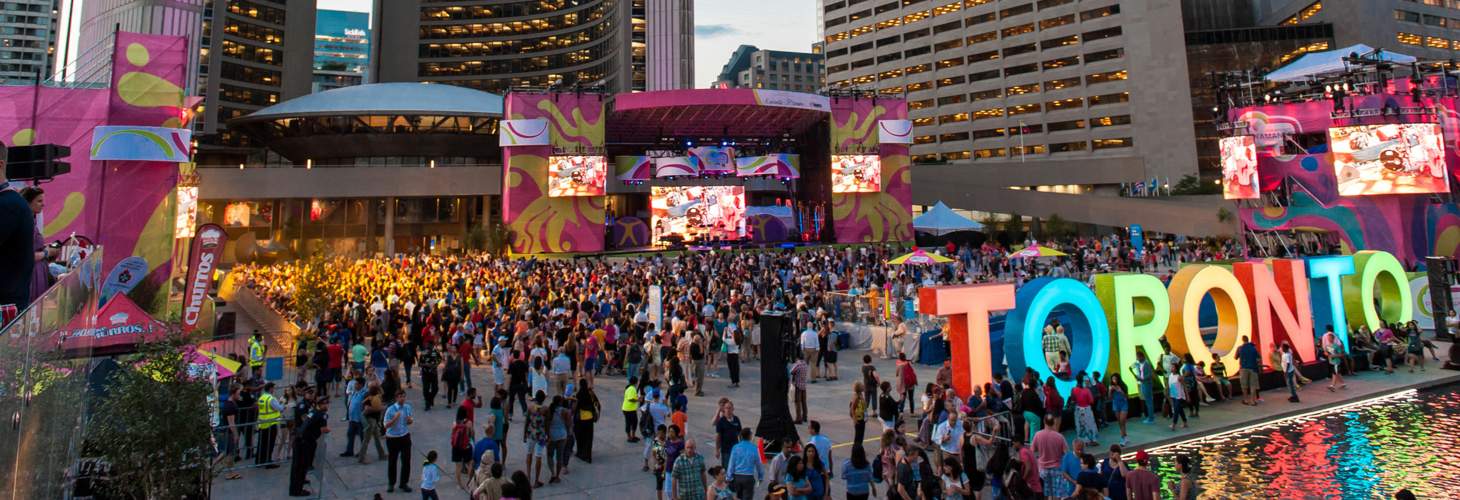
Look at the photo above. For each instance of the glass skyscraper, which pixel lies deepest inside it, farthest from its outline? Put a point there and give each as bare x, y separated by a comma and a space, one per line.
341, 49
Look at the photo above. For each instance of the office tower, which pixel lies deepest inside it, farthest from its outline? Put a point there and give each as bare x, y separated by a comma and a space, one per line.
27, 39
671, 46
751, 67
494, 45
341, 49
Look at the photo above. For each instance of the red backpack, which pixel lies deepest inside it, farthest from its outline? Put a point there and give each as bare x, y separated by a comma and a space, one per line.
461, 436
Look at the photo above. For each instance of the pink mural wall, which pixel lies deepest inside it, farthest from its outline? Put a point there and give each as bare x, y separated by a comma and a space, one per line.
126, 206
884, 216
540, 224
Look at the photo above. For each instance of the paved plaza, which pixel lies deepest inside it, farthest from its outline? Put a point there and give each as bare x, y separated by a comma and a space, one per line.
616, 468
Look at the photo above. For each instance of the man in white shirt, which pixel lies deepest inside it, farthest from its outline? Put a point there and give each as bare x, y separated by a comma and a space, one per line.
948, 435
810, 347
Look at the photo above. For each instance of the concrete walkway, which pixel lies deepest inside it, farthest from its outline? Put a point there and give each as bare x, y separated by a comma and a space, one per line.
616, 467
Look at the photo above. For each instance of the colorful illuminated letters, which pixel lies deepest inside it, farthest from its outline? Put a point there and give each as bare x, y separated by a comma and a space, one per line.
967, 308
1290, 301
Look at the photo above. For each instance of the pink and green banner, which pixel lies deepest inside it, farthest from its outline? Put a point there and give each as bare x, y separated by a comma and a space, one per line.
883, 216
125, 205
539, 223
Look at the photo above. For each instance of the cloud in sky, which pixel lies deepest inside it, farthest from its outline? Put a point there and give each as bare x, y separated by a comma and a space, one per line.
723, 25
713, 30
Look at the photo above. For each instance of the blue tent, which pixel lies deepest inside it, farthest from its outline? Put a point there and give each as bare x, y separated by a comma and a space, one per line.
1315, 64
941, 220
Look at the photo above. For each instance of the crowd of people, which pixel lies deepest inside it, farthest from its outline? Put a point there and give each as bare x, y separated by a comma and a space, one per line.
544, 331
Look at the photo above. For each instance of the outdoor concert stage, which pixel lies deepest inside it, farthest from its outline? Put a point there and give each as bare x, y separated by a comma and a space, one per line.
706, 168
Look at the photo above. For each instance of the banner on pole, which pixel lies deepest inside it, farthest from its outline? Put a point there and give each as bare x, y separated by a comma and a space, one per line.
529, 132
207, 247
133, 143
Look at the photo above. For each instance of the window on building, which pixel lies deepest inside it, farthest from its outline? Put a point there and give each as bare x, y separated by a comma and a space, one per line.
1435, 42
1061, 62
1045, 4
1016, 10
989, 153
984, 114
1106, 77
1021, 69
948, 45
1064, 41
971, 21
915, 34
1066, 125
920, 104
925, 139
1100, 12
1037, 149
889, 40
914, 52
987, 36
1020, 49
1055, 22
1023, 109
1110, 121
951, 81
1408, 38
1022, 89
1406, 16
983, 56
1017, 30
951, 99
1099, 144
983, 75
953, 118
988, 133
1062, 83
953, 137
949, 63
946, 27
1059, 104
914, 87
1116, 98
1067, 147
1104, 55
986, 95
1102, 34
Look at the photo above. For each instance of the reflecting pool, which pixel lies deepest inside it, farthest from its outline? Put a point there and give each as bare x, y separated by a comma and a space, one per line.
1366, 450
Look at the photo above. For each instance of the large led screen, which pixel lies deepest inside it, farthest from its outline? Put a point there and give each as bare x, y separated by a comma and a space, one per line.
1396, 158
1239, 167
856, 173
576, 175
698, 213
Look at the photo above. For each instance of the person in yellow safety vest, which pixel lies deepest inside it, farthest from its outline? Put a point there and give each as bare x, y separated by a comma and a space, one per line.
256, 350
271, 411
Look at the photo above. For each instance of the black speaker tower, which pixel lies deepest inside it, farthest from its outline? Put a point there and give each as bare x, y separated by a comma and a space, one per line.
775, 411
1441, 273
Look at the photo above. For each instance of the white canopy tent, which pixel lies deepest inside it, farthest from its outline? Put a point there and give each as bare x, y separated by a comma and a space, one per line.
1317, 64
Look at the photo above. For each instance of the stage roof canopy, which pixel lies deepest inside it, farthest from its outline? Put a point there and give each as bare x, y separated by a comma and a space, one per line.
648, 116
1316, 64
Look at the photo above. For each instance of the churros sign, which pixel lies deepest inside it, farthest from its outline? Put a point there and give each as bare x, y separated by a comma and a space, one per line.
207, 248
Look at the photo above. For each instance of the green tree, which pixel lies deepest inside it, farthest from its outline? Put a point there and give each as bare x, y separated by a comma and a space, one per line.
153, 429
1056, 227
1192, 185
1014, 228
314, 287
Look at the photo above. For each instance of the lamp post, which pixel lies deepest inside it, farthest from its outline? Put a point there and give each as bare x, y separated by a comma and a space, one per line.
1021, 141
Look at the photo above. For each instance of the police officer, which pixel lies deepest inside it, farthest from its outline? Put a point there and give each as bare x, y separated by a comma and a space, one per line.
306, 445
271, 411
256, 351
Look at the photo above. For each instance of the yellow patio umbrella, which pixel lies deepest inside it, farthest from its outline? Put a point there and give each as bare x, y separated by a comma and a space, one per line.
918, 256
1034, 251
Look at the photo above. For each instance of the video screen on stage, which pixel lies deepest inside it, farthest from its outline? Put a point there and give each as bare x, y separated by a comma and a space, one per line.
1239, 167
856, 173
1395, 158
576, 175
698, 213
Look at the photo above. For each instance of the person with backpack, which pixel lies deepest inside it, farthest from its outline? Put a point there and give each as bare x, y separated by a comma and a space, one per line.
461, 446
